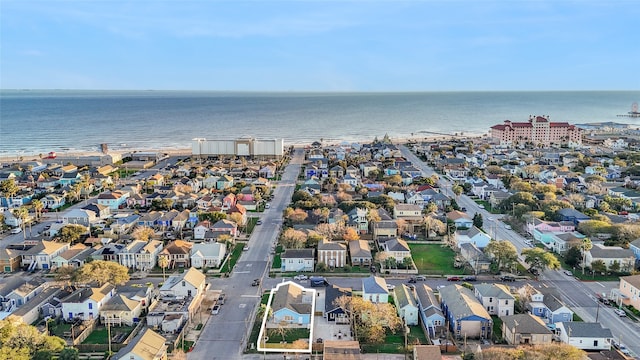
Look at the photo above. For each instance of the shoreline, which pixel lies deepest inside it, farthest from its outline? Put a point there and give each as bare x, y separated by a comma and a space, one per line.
187, 151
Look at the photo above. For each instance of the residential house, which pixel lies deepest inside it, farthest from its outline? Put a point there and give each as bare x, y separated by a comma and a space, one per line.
292, 304
297, 260
190, 283
40, 255
332, 311
573, 215
332, 254
107, 252
406, 304
79, 217
178, 253
385, 228
224, 182
475, 257
467, 317
537, 225
496, 298
360, 253
611, 254
341, 350
113, 200
460, 219
10, 260
472, 235
397, 249
431, 316
225, 226
120, 310
140, 255
374, 289
75, 256
410, 213
53, 201
30, 312
562, 242
148, 345
19, 291
201, 229
629, 290
584, 335
357, 219
100, 211
85, 303
548, 307
208, 255
525, 329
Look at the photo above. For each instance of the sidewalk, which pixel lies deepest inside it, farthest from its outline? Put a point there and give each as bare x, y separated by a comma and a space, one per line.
319, 357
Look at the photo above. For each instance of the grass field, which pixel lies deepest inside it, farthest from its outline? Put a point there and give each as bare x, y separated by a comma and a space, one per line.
235, 255
99, 335
434, 259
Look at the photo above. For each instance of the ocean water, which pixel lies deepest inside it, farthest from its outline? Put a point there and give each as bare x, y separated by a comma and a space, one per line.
39, 121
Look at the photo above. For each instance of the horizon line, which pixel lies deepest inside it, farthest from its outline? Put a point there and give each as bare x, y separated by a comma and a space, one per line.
318, 91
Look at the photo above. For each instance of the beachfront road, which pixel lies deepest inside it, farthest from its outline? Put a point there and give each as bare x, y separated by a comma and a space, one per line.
225, 335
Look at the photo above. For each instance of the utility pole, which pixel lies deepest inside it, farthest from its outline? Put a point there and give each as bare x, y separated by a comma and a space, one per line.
109, 333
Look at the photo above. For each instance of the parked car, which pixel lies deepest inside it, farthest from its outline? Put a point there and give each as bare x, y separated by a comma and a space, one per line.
568, 273
620, 312
221, 299
507, 226
300, 277
453, 278
267, 206
259, 222
16, 230
245, 248
507, 278
623, 349
215, 310
469, 278
412, 281
256, 282
390, 286
420, 278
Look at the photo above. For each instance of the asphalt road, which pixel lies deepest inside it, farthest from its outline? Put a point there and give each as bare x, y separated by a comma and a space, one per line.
576, 294
225, 335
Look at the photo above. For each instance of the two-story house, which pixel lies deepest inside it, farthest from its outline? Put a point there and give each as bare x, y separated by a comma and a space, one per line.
178, 253
374, 289
85, 303
298, 260
431, 316
190, 283
496, 298
40, 255
467, 316
292, 304
332, 254
406, 304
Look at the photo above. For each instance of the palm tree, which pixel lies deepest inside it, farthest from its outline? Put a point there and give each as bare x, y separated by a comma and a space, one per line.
21, 213
37, 206
585, 246
163, 262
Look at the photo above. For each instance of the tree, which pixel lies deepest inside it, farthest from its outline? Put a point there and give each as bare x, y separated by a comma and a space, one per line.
66, 273
22, 341
432, 224
237, 218
549, 351
598, 266
69, 353
293, 239
9, 188
102, 272
585, 246
503, 252
71, 233
350, 234
573, 256
143, 233
457, 190
615, 266
477, 220
539, 259
297, 216
370, 321
21, 213
163, 262
37, 207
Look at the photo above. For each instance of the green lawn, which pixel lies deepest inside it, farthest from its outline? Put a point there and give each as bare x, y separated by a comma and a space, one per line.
434, 259
277, 262
497, 329
290, 336
99, 335
231, 262
394, 343
59, 329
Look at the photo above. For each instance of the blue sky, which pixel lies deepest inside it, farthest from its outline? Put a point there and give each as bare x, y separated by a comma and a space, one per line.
320, 45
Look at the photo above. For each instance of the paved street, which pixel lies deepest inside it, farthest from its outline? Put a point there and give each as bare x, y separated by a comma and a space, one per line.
579, 296
225, 335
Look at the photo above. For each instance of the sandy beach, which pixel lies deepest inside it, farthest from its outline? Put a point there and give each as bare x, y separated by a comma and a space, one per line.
186, 151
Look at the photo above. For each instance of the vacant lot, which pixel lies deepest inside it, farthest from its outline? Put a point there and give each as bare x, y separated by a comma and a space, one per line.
434, 259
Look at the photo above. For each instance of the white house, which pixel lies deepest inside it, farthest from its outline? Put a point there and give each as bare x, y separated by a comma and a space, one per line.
474, 236
496, 298
610, 254
208, 255
374, 289
332, 254
585, 336
460, 219
297, 260
140, 255
190, 283
85, 303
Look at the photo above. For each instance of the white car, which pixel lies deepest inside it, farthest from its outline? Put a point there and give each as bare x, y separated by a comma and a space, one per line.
16, 230
507, 226
215, 310
300, 277
390, 286
620, 312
